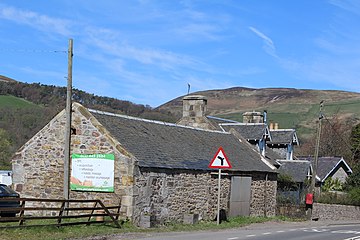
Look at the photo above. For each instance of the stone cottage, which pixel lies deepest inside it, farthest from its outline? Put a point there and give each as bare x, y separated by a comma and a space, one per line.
160, 169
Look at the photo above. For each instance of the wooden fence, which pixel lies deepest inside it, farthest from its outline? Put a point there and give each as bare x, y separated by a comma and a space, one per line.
61, 211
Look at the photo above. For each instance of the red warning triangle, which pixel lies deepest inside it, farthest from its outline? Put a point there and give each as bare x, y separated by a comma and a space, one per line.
220, 160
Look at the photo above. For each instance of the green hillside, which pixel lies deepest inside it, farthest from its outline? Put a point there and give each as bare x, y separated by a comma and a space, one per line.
303, 117
290, 108
9, 101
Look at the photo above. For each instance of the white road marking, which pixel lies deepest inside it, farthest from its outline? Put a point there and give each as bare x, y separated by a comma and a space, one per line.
250, 236
233, 238
316, 230
353, 238
281, 231
346, 231
266, 233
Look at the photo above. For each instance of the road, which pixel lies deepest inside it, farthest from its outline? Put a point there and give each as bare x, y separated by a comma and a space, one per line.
272, 231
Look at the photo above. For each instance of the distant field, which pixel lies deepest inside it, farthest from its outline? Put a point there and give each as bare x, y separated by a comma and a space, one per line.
8, 101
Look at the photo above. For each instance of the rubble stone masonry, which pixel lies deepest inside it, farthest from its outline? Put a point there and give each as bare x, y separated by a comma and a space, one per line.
168, 195
38, 169
38, 166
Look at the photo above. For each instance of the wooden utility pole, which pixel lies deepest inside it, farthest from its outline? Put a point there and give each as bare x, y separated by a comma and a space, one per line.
317, 146
68, 123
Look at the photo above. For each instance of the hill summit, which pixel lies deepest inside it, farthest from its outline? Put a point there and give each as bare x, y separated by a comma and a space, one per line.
289, 107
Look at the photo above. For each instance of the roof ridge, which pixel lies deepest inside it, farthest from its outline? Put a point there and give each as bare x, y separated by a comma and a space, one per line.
153, 121
298, 160
241, 124
282, 129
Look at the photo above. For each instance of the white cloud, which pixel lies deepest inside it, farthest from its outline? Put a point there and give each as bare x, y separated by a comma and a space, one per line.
269, 46
36, 20
199, 30
43, 73
348, 5
147, 56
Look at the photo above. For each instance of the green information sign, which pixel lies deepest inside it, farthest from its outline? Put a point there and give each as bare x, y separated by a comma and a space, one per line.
92, 172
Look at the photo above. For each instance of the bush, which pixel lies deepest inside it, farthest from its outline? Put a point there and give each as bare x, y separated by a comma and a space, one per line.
354, 195
341, 198
353, 181
332, 185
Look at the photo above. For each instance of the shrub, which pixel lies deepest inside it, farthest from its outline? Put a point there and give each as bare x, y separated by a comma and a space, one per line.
341, 198
332, 185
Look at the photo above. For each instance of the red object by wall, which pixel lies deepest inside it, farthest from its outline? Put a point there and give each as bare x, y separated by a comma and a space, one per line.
309, 198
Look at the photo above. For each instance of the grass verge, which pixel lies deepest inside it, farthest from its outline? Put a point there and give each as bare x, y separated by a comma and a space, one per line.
83, 231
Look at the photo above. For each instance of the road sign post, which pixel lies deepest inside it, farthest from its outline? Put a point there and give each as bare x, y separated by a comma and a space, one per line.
219, 161
218, 200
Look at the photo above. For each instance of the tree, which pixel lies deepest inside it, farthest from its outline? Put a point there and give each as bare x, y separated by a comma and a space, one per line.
355, 144
334, 139
5, 150
353, 181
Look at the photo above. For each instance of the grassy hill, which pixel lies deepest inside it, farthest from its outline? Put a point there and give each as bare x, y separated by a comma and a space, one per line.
9, 101
291, 108
26, 108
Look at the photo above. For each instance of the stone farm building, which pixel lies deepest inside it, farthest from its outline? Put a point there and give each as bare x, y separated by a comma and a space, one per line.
160, 169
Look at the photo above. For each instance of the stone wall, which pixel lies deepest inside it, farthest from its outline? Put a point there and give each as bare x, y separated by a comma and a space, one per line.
168, 195
263, 195
38, 167
335, 212
292, 211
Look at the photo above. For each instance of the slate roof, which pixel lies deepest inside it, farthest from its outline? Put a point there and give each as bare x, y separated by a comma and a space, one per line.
326, 165
283, 136
297, 169
164, 145
250, 131
272, 156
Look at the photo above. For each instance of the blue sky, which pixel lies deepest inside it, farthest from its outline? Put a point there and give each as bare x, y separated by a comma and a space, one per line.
147, 51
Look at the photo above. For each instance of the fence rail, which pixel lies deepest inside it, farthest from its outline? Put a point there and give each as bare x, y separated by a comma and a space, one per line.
64, 214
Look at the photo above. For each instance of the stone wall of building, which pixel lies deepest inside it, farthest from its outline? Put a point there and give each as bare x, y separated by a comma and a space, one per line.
263, 195
335, 212
38, 167
168, 195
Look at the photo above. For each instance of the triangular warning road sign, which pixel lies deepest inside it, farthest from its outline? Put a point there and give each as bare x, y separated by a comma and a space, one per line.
220, 160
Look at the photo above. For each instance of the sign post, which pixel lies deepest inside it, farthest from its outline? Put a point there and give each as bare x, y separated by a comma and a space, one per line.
219, 161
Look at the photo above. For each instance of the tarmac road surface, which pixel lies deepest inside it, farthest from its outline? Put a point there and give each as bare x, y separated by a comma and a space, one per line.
264, 231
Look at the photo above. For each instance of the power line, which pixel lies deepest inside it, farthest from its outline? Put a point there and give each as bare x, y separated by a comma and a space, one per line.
33, 51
